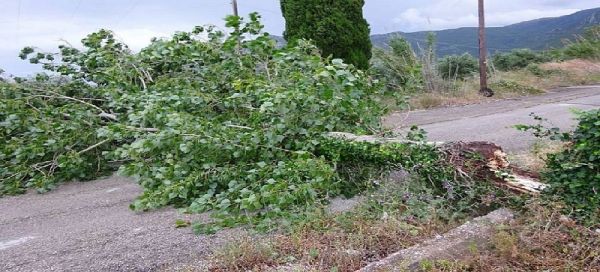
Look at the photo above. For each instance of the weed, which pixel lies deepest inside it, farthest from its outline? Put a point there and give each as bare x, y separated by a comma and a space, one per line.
428, 101
514, 87
244, 255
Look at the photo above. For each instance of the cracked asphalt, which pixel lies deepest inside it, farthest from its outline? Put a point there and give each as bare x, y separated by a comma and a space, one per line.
89, 226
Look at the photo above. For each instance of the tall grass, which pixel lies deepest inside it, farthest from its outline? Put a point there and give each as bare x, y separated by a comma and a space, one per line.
586, 46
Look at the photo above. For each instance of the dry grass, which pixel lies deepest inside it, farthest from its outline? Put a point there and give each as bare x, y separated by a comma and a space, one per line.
534, 160
512, 84
541, 239
577, 67
329, 243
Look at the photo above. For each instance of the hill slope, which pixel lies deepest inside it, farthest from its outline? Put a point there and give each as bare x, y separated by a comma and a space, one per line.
537, 34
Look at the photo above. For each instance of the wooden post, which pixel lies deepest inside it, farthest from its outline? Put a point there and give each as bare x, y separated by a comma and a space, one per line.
483, 89
235, 7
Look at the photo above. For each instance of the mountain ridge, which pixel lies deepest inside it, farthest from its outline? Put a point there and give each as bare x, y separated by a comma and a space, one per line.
537, 34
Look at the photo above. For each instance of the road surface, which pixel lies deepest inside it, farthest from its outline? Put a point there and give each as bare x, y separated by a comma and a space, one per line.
494, 121
89, 227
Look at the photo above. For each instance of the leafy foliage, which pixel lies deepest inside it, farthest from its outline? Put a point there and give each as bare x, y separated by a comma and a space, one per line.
399, 67
586, 46
49, 135
230, 124
574, 174
517, 59
336, 27
457, 67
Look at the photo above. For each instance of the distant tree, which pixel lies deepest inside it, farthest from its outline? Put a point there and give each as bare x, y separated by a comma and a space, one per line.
336, 27
458, 66
586, 46
399, 67
517, 59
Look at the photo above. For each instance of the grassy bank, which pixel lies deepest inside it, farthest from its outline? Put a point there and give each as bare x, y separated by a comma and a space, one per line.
533, 80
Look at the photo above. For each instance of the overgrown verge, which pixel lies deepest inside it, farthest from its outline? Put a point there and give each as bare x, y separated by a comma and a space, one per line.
540, 239
396, 213
453, 80
573, 174
400, 214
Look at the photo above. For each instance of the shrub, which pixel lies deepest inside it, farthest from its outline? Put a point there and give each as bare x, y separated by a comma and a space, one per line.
574, 174
586, 46
458, 67
514, 87
336, 27
399, 67
517, 59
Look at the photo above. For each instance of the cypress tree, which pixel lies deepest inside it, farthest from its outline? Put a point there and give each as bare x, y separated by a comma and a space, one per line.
337, 27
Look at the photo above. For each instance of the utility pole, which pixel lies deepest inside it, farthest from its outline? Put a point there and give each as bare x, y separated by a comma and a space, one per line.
235, 8
483, 89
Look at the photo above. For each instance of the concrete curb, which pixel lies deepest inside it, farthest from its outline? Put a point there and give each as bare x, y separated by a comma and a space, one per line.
455, 244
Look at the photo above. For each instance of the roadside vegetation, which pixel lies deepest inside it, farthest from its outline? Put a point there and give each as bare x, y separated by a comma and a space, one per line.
228, 123
231, 125
453, 80
540, 239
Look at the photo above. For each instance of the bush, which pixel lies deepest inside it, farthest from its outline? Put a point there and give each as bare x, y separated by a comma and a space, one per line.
458, 67
517, 59
586, 46
510, 86
574, 174
399, 67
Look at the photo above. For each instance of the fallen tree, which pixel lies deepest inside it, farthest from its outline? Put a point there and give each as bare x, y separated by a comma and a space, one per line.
483, 161
228, 124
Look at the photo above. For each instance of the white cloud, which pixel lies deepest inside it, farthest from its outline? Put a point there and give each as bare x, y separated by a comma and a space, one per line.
510, 17
414, 19
44, 23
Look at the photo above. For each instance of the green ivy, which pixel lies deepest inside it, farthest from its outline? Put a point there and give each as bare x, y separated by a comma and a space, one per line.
574, 174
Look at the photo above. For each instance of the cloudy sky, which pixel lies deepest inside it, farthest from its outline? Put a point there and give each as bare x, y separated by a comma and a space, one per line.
45, 23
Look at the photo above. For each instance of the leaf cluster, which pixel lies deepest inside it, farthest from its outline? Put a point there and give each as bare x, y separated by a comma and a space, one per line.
203, 120
457, 66
574, 174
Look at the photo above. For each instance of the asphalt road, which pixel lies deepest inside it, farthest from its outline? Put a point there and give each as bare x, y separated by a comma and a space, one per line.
495, 121
89, 227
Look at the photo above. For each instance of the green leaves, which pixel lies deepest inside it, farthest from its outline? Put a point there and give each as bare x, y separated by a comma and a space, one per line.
341, 32
230, 125
574, 174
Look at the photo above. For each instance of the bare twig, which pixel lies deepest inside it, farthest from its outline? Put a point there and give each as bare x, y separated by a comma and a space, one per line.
240, 127
93, 146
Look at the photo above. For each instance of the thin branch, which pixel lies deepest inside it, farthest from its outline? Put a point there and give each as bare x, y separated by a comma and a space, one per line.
142, 129
61, 96
240, 127
93, 146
